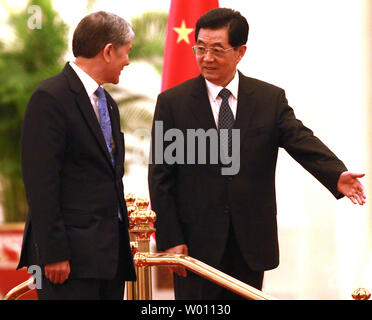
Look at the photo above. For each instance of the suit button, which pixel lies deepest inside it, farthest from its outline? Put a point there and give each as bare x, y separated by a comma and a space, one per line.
227, 210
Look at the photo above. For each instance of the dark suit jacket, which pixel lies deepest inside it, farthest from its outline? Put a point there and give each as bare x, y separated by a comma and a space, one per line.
194, 202
72, 188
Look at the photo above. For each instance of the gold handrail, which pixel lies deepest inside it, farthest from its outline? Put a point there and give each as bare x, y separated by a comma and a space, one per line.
141, 221
202, 269
17, 292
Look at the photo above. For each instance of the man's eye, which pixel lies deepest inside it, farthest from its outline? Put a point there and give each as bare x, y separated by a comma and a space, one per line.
216, 50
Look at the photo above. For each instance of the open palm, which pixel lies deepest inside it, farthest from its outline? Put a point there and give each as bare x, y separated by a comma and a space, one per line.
351, 187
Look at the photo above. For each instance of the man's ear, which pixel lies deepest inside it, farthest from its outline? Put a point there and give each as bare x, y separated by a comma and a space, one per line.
241, 51
107, 52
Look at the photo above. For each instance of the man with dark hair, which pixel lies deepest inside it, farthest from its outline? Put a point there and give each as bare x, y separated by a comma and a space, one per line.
229, 221
72, 159
236, 24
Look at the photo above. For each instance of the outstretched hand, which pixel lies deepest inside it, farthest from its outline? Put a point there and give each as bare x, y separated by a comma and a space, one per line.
349, 184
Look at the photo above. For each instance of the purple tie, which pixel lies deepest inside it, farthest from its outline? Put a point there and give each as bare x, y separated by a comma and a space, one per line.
105, 123
104, 119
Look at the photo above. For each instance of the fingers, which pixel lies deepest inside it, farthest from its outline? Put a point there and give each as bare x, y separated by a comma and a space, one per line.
357, 195
357, 175
57, 276
180, 249
58, 272
352, 199
362, 190
181, 271
357, 198
351, 187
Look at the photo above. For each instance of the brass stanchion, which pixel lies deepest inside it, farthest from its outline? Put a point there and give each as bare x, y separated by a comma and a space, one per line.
141, 220
131, 286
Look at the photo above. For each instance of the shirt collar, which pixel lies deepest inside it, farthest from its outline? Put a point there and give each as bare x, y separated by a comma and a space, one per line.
233, 86
89, 83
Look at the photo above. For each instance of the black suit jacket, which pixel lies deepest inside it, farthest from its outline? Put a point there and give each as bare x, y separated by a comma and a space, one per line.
73, 190
194, 203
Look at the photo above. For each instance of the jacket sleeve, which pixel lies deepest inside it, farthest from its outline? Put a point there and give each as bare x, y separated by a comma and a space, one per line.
162, 181
43, 144
300, 142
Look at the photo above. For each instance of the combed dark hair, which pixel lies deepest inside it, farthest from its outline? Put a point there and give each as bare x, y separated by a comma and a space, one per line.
98, 29
238, 27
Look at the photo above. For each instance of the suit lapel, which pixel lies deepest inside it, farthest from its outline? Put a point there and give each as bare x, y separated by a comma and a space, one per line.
86, 108
200, 105
246, 106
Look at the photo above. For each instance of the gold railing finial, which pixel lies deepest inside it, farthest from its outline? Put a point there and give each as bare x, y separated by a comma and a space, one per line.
130, 199
361, 294
143, 217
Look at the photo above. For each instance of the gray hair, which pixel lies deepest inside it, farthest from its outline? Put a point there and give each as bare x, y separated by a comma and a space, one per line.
97, 30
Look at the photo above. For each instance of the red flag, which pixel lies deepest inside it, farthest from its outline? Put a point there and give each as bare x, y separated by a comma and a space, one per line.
179, 61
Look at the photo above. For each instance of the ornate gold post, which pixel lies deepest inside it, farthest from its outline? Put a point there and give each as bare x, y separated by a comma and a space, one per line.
131, 286
141, 220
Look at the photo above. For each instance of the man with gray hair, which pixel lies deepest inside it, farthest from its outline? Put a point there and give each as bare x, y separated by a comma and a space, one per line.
73, 163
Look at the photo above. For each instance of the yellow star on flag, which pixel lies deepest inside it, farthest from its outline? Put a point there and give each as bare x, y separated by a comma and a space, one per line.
183, 32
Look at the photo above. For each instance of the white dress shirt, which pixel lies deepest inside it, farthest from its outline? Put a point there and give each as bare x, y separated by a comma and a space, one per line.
215, 100
90, 86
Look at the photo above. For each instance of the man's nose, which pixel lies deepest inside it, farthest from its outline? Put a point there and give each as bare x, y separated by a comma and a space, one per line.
208, 56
